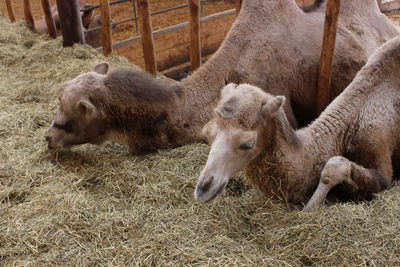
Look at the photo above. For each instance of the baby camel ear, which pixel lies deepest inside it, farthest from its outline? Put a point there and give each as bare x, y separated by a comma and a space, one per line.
228, 88
87, 109
102, 68
209, 131
274, 105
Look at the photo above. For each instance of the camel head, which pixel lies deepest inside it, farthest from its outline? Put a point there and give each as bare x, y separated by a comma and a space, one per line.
240, 130
77, 120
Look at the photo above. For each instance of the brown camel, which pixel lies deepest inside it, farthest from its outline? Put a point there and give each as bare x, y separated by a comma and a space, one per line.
273, 45
354, 142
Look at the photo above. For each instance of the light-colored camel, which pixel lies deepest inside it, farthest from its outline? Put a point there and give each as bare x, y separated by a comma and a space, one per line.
355, 142
89, 22
273, 45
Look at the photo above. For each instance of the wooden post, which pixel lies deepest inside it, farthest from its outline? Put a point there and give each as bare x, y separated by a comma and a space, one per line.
146, 31
323, 94
194, 25
10, 10
51, 25
238, 5
28, 14
70, 21
106, 27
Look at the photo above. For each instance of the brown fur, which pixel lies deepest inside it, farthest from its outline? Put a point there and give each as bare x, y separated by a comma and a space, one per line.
352, 142
281, 59
127, 83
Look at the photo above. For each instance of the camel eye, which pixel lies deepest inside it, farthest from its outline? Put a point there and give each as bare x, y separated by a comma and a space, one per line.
67, 127
247, 146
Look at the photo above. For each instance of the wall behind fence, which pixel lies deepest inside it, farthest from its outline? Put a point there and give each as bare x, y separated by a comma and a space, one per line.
172, 47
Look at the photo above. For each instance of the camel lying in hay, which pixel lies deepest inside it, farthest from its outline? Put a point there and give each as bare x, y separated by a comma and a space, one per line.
89, 21
123, 105
355, 141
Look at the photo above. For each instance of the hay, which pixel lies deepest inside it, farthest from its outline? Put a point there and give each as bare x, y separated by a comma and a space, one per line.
101, 206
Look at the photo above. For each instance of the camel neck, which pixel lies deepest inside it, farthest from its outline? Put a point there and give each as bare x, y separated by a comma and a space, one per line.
281, 143
200, 92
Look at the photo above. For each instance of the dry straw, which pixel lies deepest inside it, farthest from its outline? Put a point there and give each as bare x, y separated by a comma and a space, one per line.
101, 206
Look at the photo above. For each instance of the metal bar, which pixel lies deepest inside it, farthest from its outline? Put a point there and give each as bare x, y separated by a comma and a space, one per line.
152, 13
88, 8
323, 94
112, 24
173, 28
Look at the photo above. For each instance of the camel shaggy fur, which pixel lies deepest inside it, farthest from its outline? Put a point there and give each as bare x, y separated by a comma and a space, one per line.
355, 142
281, 58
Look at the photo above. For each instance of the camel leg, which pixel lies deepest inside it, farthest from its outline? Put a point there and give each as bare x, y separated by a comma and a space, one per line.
341, 170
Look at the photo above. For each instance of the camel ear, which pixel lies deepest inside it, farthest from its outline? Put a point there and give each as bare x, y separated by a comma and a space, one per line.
274, 105
87, 109
228, 88
102, 68
87, 17
56, 17
209, 131
228, 108
227, 111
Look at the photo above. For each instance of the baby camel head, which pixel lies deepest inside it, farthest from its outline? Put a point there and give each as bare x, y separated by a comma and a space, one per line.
240, 130
77, 120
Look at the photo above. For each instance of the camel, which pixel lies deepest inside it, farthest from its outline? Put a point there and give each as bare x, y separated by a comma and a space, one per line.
271, 43
89, 22
354, 143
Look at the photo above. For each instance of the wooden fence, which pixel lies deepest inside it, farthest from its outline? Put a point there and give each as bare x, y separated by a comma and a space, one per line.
72, 31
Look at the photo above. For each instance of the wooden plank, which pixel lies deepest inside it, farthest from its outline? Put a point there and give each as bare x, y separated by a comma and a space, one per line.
194, 26
28, 14
51, 25
323, 94
147, 36
70, 21
10, 10
238, 5
106, 27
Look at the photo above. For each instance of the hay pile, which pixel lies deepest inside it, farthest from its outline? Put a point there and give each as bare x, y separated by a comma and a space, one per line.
101, 206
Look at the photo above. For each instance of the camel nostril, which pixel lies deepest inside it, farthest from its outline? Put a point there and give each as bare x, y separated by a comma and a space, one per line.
207, 183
